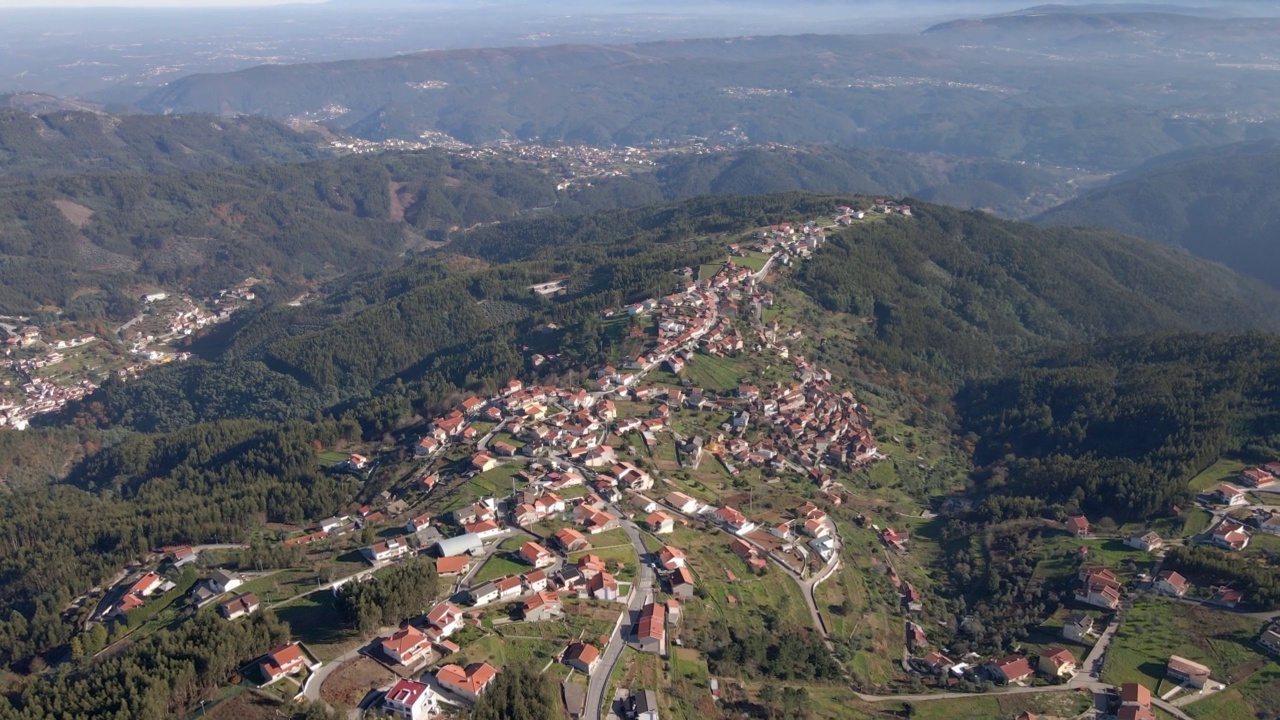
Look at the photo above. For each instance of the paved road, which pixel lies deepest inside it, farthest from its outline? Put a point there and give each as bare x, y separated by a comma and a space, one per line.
613, 651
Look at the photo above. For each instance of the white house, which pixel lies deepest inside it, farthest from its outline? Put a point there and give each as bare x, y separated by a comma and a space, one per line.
411, 700
221, 581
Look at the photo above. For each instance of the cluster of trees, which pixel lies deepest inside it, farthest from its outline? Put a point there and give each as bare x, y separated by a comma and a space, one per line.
389, 596
776, 651
177, 395
995, 593
164, 675
1259, 581
519, 692
206, 483
1118, 428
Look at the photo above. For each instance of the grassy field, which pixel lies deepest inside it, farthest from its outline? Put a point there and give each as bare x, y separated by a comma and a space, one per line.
715, 373
499, 651
1255, 697
1221, 471
986, 707
623, 554
1155, 629
498, 566
316, 622
332, 457
753, 259
495, 482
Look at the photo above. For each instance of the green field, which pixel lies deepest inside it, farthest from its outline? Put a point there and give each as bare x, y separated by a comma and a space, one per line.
1221, 471
715, 373
315, 621
986, 707
1155, 629
1255, 697
499, 566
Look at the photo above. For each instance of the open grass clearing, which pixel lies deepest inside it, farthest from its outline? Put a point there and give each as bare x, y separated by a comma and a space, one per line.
499, 565
1154, 629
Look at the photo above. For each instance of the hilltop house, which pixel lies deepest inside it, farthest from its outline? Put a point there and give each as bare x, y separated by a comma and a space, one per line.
651, 630
1011, 669
1057, 662
239, 606
1077, 628
1170, 582
1230, 535
1078, 525
406, 646
1147, 542
469, 682
1229, 495
542, 606
582, 657
1270, 639
281, 661
734, 521
411, 700
386, 550
1183, 670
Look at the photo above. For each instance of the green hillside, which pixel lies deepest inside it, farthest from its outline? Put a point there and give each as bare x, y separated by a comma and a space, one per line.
1218, 204
70, 142
962, 293
1120, 427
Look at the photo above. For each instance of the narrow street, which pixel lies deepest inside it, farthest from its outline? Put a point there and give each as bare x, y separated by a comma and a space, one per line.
612, 653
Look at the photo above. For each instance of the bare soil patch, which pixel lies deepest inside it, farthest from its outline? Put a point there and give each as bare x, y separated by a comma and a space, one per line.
74, 212
348, 685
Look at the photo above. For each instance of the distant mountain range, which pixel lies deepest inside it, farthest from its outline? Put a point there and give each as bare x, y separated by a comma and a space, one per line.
1036, 87
1222, 204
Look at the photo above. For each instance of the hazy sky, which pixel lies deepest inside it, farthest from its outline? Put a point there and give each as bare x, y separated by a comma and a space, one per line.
143, 3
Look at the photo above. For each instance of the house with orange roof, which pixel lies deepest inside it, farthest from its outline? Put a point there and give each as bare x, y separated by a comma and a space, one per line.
583, 657
411, 700
1057, 662
671, 557
659, 523
536, 555
682, 583
542, 606
281, 661
1230, 535
651, 630
571, 540
406, 646
469, 682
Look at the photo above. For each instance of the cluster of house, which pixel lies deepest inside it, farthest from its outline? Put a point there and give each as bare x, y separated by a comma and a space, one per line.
1052, 663
40, 396
1099, 587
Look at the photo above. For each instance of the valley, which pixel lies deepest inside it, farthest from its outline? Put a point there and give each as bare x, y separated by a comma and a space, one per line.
712, 362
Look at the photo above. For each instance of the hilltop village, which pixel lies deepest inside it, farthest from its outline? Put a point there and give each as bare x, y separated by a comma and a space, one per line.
45, 368
622, 531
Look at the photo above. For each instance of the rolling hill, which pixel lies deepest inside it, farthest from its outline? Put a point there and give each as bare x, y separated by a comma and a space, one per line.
1219, 204
66, 142
956, 89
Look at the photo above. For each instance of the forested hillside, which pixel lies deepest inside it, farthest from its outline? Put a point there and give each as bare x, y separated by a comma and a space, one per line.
69, 142
208, 482
1008, 189
1118, 428
1218, 204
960, 293
209, 230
